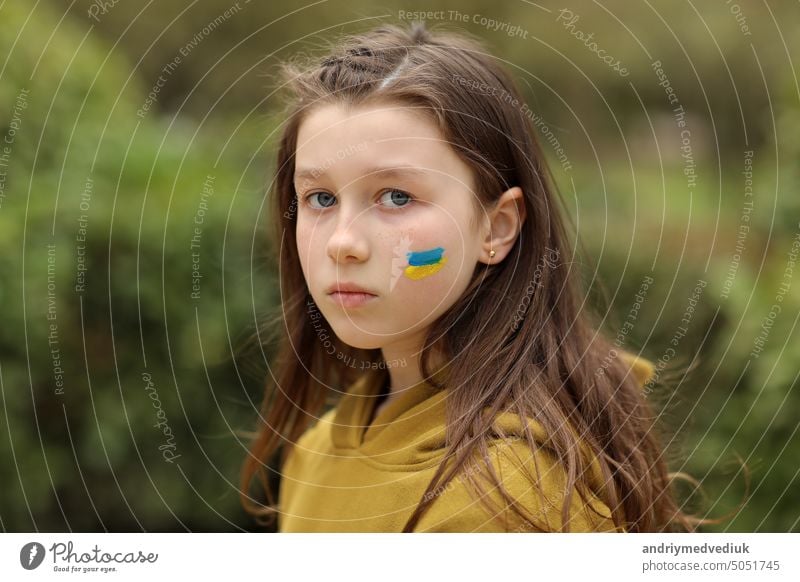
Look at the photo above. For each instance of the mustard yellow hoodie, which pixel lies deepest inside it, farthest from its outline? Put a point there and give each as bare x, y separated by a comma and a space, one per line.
345, 476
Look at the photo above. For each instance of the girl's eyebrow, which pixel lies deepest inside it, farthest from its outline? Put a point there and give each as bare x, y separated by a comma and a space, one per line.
384, 171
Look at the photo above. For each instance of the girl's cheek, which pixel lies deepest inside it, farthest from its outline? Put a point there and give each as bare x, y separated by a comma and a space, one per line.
304, 247
424, 270
307, 234
424, 263
432, 250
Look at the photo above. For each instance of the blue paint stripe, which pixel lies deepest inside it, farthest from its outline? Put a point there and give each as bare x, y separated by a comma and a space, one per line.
430, 257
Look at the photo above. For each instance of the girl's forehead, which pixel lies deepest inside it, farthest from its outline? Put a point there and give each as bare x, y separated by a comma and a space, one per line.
333, 138
376, 122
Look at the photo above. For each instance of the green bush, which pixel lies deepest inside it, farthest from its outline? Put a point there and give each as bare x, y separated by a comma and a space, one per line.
90, 183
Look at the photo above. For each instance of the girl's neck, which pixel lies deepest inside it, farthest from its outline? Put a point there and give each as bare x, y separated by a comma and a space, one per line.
402, 377
381, 400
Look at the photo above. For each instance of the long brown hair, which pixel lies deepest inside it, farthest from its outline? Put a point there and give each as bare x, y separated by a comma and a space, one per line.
546, 360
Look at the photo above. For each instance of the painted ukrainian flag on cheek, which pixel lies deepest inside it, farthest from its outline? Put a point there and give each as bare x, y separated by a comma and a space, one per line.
424, 263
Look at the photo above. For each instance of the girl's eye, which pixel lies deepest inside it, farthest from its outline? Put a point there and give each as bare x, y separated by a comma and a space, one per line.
397, 197
327, 199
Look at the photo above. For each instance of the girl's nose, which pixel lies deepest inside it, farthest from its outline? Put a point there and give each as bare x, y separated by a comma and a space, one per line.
348, 242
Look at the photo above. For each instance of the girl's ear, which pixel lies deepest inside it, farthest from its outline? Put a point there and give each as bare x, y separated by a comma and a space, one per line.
504, 225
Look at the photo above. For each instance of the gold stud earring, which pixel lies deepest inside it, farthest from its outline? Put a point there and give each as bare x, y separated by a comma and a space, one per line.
492, 254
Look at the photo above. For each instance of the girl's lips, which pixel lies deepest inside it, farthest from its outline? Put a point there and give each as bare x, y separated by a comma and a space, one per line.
351, 299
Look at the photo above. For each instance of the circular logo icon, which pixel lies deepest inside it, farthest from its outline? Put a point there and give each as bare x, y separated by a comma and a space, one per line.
31, 555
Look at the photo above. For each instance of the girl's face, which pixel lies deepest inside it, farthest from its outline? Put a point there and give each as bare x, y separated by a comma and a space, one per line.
384, 204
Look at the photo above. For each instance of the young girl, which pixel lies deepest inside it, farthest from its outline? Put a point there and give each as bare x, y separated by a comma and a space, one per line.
428, 292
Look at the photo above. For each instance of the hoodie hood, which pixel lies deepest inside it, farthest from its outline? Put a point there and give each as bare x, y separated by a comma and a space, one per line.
409, 432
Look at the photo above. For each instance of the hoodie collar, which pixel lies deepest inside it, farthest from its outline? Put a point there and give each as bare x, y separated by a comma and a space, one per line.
410, 431
405, 415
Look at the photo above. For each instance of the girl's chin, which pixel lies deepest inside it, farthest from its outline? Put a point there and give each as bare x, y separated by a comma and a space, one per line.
361, 341
357, 333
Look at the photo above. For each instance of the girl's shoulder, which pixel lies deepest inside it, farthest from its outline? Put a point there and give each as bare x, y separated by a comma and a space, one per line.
532, 475
642, 368
534, 479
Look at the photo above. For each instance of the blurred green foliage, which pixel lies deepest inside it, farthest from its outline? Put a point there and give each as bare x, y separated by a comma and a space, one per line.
86, 159
89, 458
